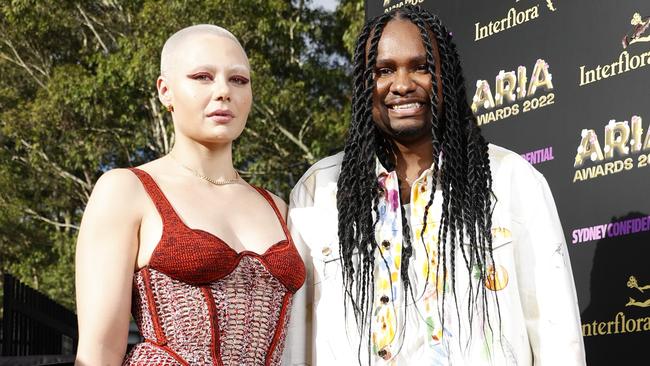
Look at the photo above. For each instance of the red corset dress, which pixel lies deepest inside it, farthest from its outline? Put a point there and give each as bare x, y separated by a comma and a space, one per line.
199, 302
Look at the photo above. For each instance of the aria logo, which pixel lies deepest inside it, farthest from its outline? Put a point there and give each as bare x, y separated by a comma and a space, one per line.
510, 88
388, 7
621, 140
641, 26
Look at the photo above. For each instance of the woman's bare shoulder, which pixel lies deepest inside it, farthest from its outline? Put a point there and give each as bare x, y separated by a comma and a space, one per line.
120, 180
118, 192
279, 202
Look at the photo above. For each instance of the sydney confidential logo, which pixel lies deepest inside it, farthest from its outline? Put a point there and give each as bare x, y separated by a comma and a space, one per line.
611, 230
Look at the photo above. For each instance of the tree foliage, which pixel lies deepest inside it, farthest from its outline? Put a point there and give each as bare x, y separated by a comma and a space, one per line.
77, 97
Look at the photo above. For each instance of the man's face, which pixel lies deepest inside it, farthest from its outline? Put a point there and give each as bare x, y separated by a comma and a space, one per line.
401, 99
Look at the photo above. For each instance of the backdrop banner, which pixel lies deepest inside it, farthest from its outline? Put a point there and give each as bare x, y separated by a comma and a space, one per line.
566, 84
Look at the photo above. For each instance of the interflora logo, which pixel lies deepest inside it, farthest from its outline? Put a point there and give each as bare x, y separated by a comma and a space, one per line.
626, 61
622, 323
513, 18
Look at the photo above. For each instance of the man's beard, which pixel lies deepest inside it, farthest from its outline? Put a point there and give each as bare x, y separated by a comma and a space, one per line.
406, 134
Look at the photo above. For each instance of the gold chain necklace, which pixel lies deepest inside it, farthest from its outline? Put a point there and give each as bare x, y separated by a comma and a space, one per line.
219, 182
406, 180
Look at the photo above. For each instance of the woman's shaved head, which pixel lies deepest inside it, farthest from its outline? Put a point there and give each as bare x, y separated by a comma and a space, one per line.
178, 39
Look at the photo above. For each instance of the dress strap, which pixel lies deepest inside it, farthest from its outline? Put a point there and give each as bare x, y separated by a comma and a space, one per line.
271, 202
165, 209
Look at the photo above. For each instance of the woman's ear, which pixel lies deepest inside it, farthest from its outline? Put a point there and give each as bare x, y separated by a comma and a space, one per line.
164, 93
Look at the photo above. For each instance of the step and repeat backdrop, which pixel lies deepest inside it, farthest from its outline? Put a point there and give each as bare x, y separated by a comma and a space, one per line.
566, 84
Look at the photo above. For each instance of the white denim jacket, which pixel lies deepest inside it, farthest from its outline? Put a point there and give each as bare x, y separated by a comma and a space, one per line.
531, 277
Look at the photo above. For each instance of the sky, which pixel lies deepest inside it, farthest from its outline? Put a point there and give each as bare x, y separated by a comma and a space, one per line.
327, 4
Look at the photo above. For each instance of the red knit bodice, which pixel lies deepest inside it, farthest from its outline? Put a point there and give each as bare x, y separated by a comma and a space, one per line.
199, 302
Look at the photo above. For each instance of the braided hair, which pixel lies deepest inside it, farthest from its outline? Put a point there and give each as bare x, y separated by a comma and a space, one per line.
461, 169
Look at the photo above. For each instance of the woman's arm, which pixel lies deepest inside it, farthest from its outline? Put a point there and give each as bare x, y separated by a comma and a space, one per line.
107, 247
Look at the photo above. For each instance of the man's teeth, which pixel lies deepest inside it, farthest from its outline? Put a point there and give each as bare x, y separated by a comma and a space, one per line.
407, 106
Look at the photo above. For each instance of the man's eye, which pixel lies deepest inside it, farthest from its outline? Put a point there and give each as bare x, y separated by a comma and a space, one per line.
383, 71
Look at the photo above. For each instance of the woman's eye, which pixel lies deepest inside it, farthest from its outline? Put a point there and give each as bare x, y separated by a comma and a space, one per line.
202, 77
423, 68
240, 80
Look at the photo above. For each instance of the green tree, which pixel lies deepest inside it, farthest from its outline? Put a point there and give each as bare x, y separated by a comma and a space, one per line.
77, 97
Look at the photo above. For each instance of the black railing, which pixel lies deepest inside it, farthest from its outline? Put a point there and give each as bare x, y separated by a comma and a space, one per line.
33, 324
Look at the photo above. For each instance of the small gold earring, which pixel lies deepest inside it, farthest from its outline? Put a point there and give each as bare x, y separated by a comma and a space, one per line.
170, 108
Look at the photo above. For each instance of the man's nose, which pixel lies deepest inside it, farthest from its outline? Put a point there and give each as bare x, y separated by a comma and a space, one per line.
402, 83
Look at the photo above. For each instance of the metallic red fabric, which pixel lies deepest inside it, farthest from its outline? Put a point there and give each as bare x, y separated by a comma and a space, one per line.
199, 302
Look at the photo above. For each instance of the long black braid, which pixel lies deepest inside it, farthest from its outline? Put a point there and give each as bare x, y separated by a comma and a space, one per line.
462, 173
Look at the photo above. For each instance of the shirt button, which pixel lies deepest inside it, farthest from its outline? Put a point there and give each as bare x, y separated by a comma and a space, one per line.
326, 251
384, 299
385, 244
383, 353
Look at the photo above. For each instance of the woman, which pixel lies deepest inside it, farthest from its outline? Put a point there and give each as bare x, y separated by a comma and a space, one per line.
173, 239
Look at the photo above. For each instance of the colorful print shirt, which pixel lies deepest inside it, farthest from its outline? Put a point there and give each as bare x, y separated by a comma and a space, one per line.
530, 279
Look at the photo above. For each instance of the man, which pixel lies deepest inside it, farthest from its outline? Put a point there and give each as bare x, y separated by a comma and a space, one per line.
425, 245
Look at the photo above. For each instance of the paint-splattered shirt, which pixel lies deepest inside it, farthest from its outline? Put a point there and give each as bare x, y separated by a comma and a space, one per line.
531, 279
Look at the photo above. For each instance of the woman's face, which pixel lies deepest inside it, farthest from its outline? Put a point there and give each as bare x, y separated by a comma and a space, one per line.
208, 84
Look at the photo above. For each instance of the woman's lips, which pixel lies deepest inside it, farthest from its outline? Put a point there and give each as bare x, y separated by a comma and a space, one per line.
221, 116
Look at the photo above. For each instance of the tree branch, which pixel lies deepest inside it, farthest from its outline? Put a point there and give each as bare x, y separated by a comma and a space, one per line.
59, 225
19, 61
60, 171
159, 130
298, 141
116, 135
89, 24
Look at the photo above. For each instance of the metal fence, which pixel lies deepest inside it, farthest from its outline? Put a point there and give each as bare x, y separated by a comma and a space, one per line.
33, 324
